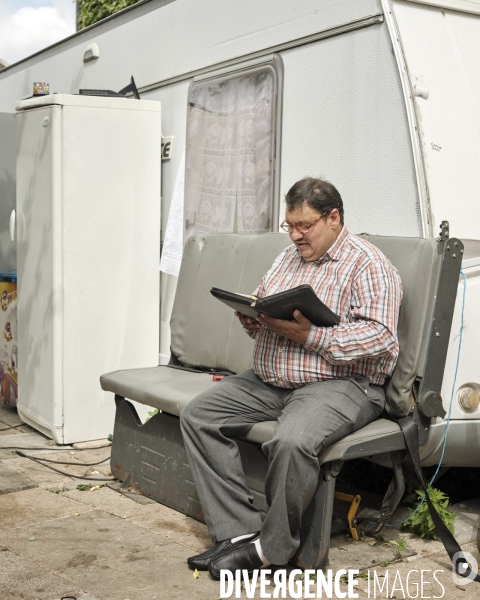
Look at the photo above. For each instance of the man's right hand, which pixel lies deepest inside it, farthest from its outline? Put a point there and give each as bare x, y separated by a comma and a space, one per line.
248, 323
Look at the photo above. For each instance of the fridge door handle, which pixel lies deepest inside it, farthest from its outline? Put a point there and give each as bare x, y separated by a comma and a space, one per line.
12, 226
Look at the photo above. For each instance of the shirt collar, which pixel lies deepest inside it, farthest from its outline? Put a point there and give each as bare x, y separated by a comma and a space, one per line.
336, 248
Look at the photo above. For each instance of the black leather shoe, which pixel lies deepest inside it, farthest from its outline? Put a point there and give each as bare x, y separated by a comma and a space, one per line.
200, 561
245, 557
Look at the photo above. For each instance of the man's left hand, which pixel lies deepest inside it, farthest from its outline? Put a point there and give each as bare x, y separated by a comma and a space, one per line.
296, 330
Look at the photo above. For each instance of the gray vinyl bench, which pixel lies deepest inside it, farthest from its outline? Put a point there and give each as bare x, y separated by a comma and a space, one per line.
207, 338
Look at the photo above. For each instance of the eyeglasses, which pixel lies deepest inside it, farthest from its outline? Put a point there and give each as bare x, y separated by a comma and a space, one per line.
288, 227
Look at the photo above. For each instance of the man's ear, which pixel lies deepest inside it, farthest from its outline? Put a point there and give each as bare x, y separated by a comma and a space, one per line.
334, 217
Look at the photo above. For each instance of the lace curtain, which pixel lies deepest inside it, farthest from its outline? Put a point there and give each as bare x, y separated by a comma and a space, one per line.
230, 155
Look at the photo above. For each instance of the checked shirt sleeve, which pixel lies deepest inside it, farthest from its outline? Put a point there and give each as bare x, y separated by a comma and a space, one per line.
371, 328
261, 290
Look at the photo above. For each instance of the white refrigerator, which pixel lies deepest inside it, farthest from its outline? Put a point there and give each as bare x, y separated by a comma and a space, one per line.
88, 246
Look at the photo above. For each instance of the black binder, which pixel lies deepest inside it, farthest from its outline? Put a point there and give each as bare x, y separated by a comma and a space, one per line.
282, 305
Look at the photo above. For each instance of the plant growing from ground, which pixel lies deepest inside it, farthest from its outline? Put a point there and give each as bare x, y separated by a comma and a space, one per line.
400, 547
84, 487
421, 522
362, 575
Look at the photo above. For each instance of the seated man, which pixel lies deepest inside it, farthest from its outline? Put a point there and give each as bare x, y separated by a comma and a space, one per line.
319, 383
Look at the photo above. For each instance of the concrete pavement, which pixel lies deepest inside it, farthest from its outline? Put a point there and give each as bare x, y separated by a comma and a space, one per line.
58, 541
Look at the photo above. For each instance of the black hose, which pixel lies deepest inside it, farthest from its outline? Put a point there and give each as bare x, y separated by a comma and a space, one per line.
63, 472
51, 448
63, 462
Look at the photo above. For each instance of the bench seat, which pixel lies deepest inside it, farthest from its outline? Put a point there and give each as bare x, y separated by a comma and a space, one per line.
205, 334
170, 390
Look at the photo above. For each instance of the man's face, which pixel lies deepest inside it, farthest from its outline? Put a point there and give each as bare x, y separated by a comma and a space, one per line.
320, 236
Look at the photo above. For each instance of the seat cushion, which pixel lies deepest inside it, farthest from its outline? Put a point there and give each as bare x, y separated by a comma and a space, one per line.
170, 390
377, 437
161, 387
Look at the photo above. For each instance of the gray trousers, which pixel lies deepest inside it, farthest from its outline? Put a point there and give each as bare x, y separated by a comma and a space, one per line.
309, 418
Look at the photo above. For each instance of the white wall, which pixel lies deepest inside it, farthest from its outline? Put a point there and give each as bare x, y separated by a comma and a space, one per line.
442, 49
344, 118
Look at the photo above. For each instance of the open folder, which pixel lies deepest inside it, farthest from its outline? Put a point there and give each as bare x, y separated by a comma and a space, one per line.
282, 305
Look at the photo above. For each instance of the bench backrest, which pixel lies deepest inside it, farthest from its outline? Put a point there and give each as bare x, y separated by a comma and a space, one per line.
205, 333
416, 261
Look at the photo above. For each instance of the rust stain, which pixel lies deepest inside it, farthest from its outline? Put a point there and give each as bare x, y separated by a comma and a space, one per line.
119, 472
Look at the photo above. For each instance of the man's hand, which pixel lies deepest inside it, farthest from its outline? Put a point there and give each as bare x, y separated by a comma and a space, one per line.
296, 330
248, 323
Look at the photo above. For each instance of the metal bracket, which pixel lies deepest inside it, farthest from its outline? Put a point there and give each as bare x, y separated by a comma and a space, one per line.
429, 385
444, 231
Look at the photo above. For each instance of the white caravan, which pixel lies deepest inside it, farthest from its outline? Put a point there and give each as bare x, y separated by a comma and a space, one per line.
382, 97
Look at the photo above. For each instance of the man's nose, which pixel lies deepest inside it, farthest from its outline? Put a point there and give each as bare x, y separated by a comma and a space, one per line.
296, 235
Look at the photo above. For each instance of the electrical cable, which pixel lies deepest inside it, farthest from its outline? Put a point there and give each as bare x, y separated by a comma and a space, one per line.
62, 462
63, 472
52, 449
462, 327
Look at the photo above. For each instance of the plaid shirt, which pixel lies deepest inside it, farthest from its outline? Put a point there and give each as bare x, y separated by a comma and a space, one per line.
357, 282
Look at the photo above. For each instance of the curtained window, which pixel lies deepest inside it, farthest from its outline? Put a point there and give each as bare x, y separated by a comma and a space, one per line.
230, 156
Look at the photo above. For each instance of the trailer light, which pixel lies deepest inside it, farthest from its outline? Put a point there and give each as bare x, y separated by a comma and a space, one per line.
468, 398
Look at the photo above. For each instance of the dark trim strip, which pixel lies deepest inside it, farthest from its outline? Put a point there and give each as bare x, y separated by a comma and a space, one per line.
359, 24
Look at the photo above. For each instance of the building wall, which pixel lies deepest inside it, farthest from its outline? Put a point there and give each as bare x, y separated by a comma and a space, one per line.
344, 118
449, 118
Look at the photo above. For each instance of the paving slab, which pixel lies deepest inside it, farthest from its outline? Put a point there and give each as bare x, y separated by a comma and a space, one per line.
140, 498
13, 481
35, 506
7, 454
441, 564
42, 475
78, 540
83, 596
365, 554
113, 502
9, 415
92, 455
32, 439
421, 547
467, 520
78, 466
46, 586
92, 444
176, 527
22, 579
162, 574
157, 574
6, 430
14, 567
25, 578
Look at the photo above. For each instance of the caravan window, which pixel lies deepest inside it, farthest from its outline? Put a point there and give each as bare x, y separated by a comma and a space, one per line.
231, 152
